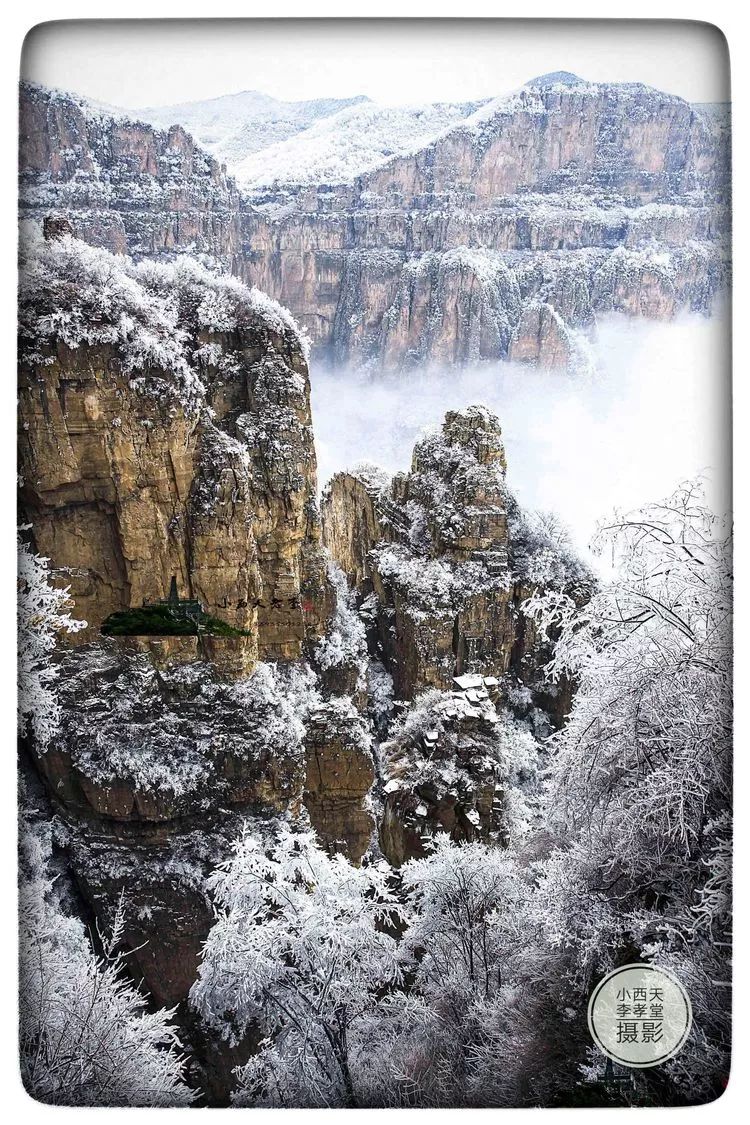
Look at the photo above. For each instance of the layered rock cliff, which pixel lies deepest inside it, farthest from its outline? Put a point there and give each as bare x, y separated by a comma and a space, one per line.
393, 690
503, 236
124, 185
165, 430
507, 234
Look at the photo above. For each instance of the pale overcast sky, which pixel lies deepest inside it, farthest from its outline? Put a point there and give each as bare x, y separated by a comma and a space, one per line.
139, 63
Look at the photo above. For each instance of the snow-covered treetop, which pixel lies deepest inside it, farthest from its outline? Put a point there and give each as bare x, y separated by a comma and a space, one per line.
43, 613
542, 554
295, 928
373, 477
150, 312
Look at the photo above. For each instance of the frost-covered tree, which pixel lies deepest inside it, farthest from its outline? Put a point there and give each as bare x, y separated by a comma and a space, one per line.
303, 949
642, 768
638, 802
86, 1036
42, 615
456, 896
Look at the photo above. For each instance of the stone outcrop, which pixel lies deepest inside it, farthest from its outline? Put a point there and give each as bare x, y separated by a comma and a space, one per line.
442, 558
446, 770
151, 743
157, 764
504, 237
167, 912
231, 658
339, 777
165, 430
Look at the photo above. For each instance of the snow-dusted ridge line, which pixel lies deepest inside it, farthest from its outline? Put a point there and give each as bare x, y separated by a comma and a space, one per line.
349, 144
91, 109
335, 141
233, 126
315, 156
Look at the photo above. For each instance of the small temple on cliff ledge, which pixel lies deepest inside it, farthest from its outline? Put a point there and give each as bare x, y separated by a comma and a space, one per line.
183, 609
170, 616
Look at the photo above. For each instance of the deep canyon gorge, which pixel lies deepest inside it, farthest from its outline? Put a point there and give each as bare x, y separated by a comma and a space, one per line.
380, 678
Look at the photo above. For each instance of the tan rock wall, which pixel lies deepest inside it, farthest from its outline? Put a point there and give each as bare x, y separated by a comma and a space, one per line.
338, 779
124, 490
566, 171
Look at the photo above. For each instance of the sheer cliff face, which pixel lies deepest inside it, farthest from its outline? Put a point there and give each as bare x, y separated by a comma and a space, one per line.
165, 430
504, 237
124, 185
507, 234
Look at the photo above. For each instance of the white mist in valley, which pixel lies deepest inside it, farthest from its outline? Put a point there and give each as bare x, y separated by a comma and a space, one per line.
657, 412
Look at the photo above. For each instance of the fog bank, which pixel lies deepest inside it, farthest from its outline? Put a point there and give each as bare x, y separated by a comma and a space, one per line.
655, 413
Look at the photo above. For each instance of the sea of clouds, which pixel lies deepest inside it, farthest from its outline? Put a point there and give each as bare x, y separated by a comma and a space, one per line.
655, 412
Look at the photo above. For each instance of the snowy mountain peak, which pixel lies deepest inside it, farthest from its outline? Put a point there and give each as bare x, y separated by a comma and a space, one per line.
557, 78
338, 148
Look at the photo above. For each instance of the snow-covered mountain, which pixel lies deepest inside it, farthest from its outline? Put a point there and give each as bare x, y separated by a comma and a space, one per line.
447, 234
338, 148
235, 126
264, 141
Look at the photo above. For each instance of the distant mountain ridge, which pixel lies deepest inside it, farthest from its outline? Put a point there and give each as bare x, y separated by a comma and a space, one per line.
267, 143
351, 143
557, 78
326, 140
399, 236
233, 126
